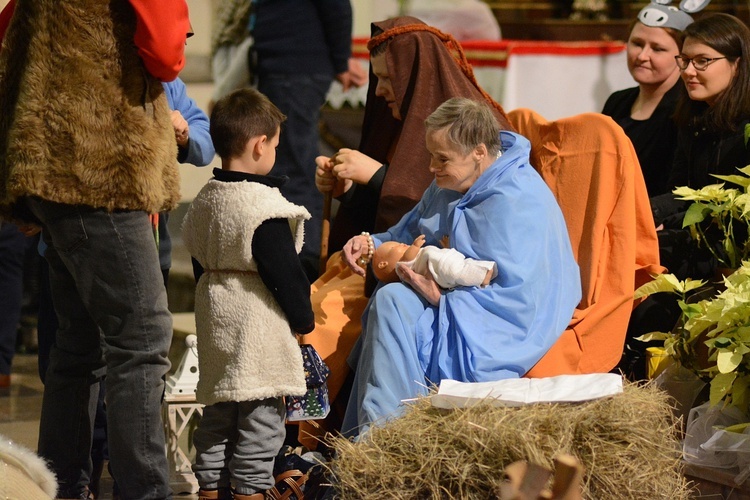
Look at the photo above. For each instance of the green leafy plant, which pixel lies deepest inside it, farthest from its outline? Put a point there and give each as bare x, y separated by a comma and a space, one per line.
720, 323
679, 344
723, 211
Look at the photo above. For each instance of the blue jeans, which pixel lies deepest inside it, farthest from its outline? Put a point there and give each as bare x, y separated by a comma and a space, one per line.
300, 98
113, 318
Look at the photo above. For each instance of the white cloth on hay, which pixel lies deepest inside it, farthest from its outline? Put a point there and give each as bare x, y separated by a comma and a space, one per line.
521, 391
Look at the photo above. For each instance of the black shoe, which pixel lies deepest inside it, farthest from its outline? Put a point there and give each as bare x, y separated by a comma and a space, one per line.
320, 484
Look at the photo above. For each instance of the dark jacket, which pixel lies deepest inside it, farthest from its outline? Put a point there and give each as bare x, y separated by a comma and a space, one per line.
310, 37
700, 153
654, 139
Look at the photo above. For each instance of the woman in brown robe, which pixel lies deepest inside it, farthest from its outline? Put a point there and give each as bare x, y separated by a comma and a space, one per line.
414, 69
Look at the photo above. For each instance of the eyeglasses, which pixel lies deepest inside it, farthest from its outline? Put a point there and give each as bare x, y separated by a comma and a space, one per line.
699, 63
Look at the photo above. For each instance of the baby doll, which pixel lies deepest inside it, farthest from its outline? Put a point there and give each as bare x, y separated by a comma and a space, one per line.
449, 267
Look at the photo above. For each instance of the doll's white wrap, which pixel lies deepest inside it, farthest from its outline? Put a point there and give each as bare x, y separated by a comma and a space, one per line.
449, 267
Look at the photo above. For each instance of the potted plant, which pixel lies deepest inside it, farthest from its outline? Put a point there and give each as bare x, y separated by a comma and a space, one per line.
719, 325
711, 341
719, 217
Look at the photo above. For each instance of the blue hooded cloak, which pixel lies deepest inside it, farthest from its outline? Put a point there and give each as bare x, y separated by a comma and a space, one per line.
475, 334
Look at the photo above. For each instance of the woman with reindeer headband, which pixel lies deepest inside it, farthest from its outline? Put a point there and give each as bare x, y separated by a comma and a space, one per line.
645, 112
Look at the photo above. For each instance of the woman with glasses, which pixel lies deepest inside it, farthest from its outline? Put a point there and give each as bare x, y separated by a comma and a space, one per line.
645, 112
715, 67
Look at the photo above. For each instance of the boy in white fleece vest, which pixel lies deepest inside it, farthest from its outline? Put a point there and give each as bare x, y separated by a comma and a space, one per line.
251, 298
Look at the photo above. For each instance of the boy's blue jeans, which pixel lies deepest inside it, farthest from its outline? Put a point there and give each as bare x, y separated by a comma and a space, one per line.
111, 305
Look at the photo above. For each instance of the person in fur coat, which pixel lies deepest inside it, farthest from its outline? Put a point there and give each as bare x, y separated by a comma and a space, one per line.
251, 298
87, 152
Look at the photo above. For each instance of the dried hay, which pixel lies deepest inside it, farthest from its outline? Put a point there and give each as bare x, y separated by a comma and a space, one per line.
628, 445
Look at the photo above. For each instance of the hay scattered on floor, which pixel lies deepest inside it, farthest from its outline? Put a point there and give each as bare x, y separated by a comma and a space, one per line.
627, 443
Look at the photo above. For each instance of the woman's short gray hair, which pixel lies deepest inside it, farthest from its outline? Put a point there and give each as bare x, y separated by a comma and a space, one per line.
469, 123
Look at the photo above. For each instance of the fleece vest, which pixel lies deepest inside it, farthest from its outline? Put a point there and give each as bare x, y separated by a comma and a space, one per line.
246, 348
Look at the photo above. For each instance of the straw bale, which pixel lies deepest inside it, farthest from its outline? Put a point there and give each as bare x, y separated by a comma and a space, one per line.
627, 443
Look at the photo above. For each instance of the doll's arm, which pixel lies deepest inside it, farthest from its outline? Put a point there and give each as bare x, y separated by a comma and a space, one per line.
411, 252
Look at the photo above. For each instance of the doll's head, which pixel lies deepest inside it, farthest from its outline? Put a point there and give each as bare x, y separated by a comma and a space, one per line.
385, 258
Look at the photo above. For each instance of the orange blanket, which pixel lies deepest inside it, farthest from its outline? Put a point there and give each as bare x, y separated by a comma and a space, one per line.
338, 300
592, 169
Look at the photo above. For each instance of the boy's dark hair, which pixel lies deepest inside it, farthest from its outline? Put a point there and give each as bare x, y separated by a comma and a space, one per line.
240, 116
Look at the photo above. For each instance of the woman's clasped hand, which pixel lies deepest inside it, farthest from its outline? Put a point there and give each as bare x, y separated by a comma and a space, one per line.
347, 166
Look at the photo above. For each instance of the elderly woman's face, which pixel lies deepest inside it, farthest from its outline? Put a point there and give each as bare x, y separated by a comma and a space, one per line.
453, 169
384, 88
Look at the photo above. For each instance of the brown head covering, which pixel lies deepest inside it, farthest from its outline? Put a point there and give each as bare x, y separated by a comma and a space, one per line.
424, 73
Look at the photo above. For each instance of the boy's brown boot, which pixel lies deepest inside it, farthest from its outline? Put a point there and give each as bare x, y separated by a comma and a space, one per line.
220, 494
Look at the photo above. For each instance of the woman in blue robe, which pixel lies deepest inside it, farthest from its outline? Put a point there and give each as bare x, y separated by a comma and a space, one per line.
488, 203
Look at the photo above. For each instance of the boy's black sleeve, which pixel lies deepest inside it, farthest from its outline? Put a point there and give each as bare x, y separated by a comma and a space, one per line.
197, 269
281, 271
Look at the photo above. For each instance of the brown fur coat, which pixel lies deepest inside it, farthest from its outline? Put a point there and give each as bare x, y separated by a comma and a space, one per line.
81, 121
